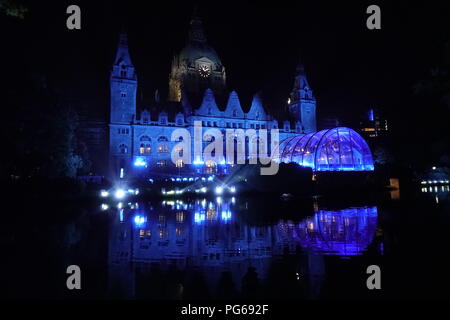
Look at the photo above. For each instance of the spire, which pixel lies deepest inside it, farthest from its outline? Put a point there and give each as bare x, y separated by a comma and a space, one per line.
301, 82
300, 68
123, 56
196, 32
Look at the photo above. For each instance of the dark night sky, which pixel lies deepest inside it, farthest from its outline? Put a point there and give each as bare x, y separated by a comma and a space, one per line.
349, 67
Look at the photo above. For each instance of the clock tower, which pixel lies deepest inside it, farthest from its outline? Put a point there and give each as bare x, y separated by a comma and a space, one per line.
302, 103
197, 67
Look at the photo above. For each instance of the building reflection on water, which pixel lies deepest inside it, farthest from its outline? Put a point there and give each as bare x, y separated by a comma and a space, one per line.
212, 238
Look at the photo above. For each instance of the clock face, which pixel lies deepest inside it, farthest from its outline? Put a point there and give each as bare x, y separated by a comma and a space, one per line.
205, 71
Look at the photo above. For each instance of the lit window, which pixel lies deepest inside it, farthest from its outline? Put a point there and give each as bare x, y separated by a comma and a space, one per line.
179, 163
180, 217
145, 147
163, 148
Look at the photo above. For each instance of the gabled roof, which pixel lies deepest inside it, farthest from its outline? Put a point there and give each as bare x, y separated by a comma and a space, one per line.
257, 111
234, 109
208, 106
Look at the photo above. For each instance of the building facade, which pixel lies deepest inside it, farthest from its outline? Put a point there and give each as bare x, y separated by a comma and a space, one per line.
141, 139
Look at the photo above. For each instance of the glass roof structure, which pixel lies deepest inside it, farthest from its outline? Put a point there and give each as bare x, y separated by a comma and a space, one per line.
337, 149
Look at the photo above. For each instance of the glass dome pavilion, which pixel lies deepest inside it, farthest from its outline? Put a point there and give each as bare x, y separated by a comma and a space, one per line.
337, 149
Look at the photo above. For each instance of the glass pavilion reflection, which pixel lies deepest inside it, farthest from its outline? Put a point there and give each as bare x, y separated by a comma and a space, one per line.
156, 232
210, 233
345, 232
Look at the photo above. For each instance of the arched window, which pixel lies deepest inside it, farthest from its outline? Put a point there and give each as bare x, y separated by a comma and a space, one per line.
179, 119
123, 149
123, 72
163, 139
163, 118
144, 148
163, 148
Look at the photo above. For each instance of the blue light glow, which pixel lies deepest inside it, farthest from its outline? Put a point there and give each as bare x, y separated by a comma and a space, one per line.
226, 215
371, 115
104, 193
120, 194
140, 162
199, 217
198, 162
139, 220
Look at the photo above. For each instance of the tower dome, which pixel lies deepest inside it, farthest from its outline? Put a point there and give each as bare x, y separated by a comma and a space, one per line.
194, 52
197, 67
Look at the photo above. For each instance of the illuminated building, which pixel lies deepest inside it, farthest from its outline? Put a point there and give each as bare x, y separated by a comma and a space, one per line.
373, 125
140, 140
